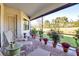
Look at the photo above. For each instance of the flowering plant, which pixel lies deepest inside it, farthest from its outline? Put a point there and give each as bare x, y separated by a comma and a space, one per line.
45, 40
65, 45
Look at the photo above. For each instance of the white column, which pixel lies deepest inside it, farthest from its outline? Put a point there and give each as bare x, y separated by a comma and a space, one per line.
29, 25
21, 23
2, 24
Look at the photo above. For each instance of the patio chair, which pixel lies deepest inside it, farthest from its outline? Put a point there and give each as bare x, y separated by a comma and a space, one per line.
8, 38
25, 37
21, 41
6, 42
28, 36
1, 54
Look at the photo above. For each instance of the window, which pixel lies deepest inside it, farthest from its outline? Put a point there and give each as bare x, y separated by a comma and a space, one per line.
26, 24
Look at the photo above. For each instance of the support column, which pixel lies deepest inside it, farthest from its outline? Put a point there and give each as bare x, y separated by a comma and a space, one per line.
2, 24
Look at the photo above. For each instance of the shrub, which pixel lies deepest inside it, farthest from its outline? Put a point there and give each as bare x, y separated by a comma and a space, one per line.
54, 35
33, 31
76, 37
41, 33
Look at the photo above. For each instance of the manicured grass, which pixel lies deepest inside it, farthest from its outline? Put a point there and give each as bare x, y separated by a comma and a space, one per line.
69, 40
64, 38
46, 36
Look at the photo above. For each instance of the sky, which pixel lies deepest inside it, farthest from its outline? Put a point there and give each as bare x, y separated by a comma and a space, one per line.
71, 12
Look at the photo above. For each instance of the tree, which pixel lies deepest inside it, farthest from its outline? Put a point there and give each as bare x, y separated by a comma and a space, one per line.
76, 24
59, 22
47, 24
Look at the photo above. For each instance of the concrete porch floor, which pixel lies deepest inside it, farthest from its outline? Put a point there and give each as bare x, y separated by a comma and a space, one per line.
58, 51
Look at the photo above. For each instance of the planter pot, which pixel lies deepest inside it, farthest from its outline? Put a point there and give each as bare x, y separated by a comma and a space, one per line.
24, 35
40, 39
77, 51
65, 49
33, 36
65, 46
54, 44
45, 40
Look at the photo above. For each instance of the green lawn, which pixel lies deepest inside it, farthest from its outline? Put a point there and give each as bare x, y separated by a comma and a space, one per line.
69, 40
65, 38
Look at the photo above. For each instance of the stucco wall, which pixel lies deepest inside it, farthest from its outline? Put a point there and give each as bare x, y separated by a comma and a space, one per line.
9, 11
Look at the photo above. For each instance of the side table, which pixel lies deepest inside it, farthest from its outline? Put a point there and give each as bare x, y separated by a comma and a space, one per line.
14, 51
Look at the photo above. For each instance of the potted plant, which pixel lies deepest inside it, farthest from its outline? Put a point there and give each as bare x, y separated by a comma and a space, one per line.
77, 48
40, 34
55, 37
24, 35
76, 38
45, 40
33, 33
65, 46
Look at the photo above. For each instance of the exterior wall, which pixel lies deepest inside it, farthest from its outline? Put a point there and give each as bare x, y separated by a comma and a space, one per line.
22, 29
20, 15
9, 11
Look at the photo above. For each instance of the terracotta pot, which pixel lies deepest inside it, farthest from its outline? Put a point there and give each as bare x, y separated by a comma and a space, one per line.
45, 40
65, 46
40, 39
65, 49
33, 36
77, 51
54, 44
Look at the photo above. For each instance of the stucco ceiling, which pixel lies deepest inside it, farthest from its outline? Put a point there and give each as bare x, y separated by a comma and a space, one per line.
35, 9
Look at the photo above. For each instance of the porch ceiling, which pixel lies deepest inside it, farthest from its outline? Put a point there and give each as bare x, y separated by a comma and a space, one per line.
35, 9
